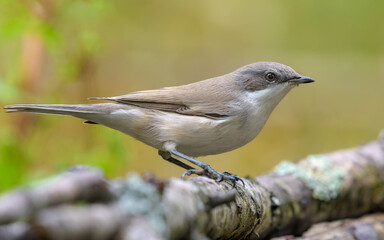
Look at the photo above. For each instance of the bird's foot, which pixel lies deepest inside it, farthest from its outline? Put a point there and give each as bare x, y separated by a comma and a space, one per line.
205, 170
213, 174
189, 172
234, 178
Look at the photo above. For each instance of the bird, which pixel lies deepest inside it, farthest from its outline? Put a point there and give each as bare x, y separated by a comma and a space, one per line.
207, 117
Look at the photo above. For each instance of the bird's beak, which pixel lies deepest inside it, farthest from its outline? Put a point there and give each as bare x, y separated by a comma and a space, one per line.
300, 80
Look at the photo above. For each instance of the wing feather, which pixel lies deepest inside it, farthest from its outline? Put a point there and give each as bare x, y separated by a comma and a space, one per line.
187, 99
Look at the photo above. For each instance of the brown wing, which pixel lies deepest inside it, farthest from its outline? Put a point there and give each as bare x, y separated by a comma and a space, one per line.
197, 99
159, 99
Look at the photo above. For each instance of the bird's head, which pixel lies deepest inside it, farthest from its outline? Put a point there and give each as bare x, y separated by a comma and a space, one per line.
262, 75
268, 82
270, 78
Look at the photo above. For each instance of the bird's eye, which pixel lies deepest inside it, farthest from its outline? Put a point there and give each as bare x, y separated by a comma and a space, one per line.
270, 77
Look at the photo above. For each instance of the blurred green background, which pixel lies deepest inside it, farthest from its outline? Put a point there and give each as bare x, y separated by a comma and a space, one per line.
61, 51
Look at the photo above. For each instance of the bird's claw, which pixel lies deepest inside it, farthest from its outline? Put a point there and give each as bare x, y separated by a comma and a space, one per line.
189, 172
234, 178
211, 173
219, 178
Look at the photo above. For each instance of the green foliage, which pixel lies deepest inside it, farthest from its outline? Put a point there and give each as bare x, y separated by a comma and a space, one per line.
69, 33
8, 91
12, 159
105, 48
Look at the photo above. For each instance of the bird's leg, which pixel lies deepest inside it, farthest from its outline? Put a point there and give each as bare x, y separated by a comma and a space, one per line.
206, 169
167, 156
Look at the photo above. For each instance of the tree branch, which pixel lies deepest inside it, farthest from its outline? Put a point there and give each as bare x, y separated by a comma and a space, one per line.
369, 227
81, 204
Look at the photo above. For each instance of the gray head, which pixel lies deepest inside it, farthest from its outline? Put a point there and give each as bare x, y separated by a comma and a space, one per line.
262, 75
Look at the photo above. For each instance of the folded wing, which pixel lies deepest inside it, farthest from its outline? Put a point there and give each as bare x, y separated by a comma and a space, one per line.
187, 100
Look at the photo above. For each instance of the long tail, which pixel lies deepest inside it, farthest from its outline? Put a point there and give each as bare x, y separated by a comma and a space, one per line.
114, 115
59, 109
93, 113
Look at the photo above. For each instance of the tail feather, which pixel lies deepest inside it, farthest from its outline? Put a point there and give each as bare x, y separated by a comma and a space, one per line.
99, 113
59, 109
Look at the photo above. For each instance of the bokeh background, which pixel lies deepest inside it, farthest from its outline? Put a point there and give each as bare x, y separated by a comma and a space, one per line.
62, 51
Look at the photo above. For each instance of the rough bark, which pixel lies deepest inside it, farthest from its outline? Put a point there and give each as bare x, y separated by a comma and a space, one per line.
370, 227
81, 204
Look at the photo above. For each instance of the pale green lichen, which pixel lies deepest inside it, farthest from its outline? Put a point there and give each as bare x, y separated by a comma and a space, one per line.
138, 197
318, 173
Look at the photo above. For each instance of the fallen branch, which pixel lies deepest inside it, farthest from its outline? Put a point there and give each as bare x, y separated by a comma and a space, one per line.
81, 204
369, 227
